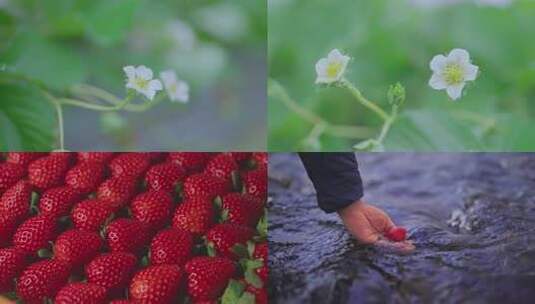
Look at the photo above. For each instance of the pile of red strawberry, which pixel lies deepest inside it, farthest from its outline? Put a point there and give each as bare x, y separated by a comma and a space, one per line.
99, 227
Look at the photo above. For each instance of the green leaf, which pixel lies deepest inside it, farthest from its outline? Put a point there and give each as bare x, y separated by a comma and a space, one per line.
233, 292
27, 119
428, 130
109, 21
53, 63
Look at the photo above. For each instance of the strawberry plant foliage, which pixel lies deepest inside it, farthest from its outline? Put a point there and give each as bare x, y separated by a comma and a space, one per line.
27, 120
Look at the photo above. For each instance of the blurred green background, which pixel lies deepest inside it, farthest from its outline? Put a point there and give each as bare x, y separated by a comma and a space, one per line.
219, 47
391, 41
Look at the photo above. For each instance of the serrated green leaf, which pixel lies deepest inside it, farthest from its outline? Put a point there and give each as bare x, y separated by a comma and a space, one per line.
27, 119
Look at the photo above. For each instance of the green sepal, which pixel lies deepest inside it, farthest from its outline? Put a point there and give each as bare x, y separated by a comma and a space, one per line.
210, 249
240, 250
236, 181
233, 292
247, 298
34, 201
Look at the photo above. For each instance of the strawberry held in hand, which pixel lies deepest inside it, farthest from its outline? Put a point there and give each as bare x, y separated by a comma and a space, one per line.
396, 234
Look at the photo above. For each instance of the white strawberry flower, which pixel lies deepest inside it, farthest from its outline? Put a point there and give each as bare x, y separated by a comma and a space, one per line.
331, 68
451, 72
140, 79
177, 89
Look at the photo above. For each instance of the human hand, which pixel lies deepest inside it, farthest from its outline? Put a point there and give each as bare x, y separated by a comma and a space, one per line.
369, 224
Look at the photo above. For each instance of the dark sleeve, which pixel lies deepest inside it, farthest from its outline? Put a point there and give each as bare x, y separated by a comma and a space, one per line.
336, 178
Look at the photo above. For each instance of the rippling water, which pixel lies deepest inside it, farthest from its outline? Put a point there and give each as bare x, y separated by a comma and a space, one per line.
471, 216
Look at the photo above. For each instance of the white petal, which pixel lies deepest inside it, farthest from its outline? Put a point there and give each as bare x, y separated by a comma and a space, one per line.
470, 72
455, 91
321, 66
335, 54
149, 93
130, 71
168, 76
155, 85
437, 82
437, 63
459, 55
144, 72
324, 79
182, 92
131, 85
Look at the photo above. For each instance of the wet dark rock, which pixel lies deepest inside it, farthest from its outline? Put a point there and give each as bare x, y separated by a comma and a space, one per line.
488, 259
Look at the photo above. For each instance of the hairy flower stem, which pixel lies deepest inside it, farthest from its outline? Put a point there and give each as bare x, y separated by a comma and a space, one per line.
363, 100
95, 107
344, 131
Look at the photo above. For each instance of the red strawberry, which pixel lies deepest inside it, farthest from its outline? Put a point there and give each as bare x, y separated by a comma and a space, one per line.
224, 237
15, 202
152, 208
156, 284
171, 246
117, 191
85, 177
111, 270
260, 294
58, 201
97, 157
190, 161
10, 174
396, 234
129, 164
204, 186
164, 177
90, 214
49, 171
194, 215
81, 293
261, 159
35, 233
12, 262
261, 253
240, 156
8, 225
42, 280
123, 301
222, 166
242, 209
77, 247
208, 277
23, 158
127, 235
255, 183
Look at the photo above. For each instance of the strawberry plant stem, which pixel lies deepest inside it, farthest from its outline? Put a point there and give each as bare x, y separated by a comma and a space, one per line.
363, 100
345, 131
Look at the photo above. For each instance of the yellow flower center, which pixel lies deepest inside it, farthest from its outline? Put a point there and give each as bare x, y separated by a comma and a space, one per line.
333, 69
141, 83
453, 73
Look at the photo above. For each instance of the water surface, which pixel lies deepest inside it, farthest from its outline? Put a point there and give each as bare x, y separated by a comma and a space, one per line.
471, 216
